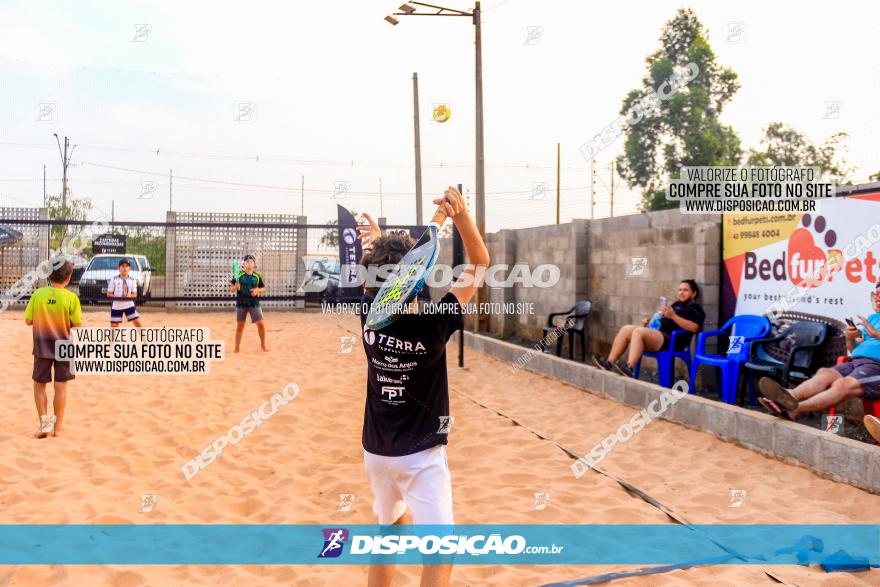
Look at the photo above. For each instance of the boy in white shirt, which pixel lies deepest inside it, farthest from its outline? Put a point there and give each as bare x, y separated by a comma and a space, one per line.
121, 288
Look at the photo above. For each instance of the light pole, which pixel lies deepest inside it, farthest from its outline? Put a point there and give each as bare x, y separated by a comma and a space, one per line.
409, 9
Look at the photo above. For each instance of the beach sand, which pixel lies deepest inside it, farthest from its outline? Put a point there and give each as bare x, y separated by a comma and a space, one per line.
129, 436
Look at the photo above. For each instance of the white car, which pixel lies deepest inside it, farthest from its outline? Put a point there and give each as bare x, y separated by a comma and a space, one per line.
93, 282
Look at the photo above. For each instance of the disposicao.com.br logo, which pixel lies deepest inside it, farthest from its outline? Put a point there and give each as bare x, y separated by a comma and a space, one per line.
430, 544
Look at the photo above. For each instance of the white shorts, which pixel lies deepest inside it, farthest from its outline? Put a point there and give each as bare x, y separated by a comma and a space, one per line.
420, 481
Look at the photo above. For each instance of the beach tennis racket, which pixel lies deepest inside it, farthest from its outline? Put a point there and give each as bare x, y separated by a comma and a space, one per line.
408, 278
236, 271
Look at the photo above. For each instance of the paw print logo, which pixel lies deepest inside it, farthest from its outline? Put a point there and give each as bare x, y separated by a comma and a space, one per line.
808, 264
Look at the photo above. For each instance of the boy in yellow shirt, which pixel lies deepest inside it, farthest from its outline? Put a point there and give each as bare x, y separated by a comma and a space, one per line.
52, 311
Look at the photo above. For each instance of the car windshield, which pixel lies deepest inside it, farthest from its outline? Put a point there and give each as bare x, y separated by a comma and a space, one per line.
99, 263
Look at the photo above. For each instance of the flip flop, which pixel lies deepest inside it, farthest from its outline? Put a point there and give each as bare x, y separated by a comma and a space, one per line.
773, 409
872, 423
781, 396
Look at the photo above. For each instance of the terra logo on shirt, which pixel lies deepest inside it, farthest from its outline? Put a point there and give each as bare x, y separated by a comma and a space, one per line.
391, 343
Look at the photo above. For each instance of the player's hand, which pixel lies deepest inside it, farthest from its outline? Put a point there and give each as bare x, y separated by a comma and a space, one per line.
851, 333
367, 234
667, 312
645, 321
872, 332
452, 202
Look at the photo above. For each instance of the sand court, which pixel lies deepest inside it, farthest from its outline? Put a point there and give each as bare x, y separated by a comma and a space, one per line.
128, 437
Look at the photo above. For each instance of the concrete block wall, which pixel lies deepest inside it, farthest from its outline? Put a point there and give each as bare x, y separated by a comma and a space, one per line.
677, 246
829, 455
595, 261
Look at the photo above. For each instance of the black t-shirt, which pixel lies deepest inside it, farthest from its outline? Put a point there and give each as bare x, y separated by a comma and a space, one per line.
689, 311
407, 405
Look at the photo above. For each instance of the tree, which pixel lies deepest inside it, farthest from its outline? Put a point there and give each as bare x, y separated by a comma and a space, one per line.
330, 238
875, 177
784, 146
684, 129
77, 208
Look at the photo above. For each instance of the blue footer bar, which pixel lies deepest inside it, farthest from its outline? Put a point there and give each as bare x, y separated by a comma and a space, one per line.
532, 544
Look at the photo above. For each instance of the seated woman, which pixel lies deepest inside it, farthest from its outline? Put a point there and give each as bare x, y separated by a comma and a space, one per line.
684, 314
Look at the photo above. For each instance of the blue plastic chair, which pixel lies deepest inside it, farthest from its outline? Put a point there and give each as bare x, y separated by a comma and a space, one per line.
666, 361
750, 328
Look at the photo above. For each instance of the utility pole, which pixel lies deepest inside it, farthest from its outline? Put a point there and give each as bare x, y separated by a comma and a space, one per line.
65, 161
170, 197
418, 147
302, 195
558, 158
612, 188
381, 208
112, 211
480, 160
592, 190
44, 185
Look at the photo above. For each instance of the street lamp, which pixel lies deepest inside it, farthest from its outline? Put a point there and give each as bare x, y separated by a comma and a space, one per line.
409, 9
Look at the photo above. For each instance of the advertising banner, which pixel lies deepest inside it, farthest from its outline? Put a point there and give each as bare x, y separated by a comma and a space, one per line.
822, 263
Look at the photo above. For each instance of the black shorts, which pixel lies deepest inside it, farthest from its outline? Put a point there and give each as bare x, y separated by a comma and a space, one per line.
666, 339
866, 371
43, 370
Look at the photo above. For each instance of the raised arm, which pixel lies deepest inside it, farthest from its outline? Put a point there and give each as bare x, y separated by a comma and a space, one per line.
471, 278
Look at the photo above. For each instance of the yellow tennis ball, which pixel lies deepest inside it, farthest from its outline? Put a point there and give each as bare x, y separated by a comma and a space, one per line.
441, 112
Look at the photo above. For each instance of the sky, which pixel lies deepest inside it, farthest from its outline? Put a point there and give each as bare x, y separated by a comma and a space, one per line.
246, 103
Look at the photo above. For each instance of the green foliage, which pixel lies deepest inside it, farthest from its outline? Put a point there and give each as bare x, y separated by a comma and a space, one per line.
684, 130
783, 145
76, 209
144, 240
330, 238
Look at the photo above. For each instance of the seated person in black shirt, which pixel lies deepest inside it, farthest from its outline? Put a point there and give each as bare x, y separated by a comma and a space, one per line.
684, 314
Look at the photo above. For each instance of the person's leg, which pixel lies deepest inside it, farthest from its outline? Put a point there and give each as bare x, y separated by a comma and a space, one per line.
261, 329
842, 389
239, 330
40, 398
42, 374
115, 318
257, 318
643, 339
389, 507
382, 575
427, 485
620, 342
134, 317
822, 380
58, 404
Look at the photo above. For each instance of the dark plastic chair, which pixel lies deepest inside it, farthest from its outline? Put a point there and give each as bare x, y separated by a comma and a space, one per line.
750, 328
575, 323
666, 361
791, 354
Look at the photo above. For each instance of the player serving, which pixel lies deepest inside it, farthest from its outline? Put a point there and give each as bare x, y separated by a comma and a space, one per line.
406, 419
